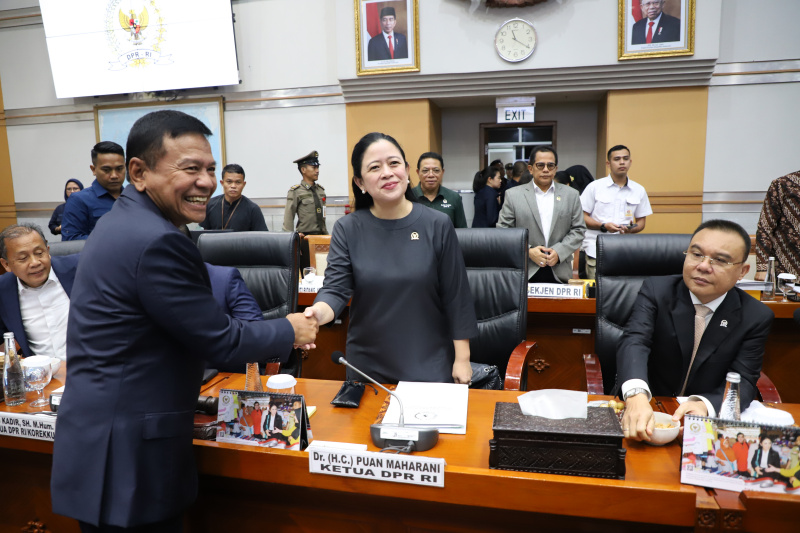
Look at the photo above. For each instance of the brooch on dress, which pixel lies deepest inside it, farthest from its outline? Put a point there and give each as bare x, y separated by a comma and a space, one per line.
414, 236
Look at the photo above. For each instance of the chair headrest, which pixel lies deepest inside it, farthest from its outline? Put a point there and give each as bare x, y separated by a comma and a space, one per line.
656, 254
245, 248
494, 247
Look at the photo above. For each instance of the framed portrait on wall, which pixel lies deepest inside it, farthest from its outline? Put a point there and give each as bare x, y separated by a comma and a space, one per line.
655, 28
387, 36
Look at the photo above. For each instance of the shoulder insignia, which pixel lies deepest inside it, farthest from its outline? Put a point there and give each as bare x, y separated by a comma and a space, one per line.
293, 187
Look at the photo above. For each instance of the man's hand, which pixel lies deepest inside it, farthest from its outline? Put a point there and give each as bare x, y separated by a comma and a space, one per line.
538, 255
694, 407
551, 257
638, 421
305, 330
612, 228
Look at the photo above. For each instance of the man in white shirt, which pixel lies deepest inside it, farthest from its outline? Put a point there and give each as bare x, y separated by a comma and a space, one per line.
686, 332
614, 204
552, 213
34, 292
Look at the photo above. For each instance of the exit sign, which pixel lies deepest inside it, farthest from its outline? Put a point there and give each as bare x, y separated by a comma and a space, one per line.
514, 114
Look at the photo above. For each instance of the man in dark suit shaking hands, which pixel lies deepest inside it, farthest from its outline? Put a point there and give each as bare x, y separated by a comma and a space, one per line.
387, 44
143, 321
655, 26
687, 332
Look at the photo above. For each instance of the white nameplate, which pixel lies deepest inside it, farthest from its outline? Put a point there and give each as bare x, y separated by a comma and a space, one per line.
313, 284
39, 427
378, 466
554, 290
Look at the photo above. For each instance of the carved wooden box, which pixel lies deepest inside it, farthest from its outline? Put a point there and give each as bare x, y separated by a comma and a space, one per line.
572, 446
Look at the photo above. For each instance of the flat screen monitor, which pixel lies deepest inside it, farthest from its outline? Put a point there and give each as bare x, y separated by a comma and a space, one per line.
101, 47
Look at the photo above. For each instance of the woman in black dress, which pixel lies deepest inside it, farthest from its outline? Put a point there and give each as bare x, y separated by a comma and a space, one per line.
486, 185
411, 315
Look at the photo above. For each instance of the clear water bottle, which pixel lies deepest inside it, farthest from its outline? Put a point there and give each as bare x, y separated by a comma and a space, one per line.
731, 410
769, 279
13, 380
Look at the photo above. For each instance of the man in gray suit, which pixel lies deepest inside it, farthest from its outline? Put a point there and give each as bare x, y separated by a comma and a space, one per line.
553, 215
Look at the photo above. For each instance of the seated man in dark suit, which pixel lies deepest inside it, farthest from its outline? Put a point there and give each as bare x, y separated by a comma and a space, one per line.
388, 44
142, 323
655, 26
687, 332
34, 293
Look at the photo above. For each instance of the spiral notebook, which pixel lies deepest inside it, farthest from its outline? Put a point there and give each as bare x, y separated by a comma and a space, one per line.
735, 455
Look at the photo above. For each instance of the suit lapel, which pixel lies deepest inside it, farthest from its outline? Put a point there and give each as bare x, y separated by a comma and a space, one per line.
683, 322
12, 318
530, 197
726, 319
65, 278
558, 207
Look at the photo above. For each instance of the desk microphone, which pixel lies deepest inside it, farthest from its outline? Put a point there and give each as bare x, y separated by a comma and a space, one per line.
391, 435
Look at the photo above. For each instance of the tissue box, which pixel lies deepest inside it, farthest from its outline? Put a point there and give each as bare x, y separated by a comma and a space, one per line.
590, 447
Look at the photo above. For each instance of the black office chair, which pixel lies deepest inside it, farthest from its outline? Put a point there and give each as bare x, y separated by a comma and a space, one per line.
497, 269
268, 263
623, 263
66, 247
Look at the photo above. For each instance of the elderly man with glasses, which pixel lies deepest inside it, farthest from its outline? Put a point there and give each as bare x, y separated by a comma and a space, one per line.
686, 332
552, 213
655, 26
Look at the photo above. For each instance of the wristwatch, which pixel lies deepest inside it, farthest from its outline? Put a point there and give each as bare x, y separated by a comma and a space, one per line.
634, 392
603, 227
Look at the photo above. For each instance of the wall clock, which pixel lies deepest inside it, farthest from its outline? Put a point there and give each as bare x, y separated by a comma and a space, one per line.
515, 40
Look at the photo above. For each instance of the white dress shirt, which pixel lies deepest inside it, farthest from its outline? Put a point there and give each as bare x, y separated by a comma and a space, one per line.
640, 383
605, 201
44, 312
545, 201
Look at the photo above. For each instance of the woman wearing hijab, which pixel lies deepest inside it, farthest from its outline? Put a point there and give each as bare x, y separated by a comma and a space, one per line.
72, 186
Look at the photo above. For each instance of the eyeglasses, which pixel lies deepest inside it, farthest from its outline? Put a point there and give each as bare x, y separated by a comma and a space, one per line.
540, 166
655, 3
696, 258
426, 171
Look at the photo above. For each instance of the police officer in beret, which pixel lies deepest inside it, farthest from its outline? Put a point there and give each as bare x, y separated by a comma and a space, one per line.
307, 201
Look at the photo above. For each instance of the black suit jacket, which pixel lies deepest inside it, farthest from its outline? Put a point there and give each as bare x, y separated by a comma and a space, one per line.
658, 340
10, 317
667, 31
377, 49
142, 320
265, 423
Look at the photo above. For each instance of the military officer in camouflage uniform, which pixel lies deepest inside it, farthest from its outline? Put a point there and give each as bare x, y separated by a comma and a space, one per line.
307, 201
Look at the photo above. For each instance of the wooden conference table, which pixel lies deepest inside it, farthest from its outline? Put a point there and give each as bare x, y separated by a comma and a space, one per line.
564, 330
248, 488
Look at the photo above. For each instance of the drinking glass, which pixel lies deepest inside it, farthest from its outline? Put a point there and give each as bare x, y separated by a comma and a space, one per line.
308, 274
785, 282
37, 372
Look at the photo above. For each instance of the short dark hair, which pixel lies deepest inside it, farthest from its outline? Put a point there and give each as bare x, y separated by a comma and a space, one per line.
729, 227
232, 168
15, 231
563, 178
520, 168
542, 148
106, 147
146, 138
496, 162
430, 155
616, 148
362, 199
